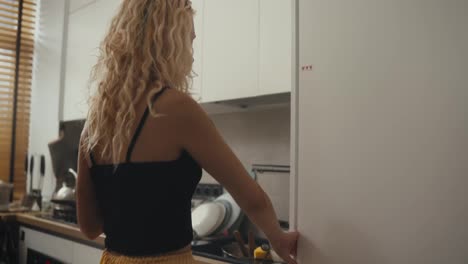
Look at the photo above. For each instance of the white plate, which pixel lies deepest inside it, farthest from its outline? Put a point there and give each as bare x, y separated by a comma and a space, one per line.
236, 211
207, 217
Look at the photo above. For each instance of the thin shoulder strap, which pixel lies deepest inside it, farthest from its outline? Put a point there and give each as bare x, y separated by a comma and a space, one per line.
141, 125
91, 158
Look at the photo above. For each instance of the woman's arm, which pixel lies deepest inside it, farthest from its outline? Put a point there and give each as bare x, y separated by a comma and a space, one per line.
202, 140
89, 219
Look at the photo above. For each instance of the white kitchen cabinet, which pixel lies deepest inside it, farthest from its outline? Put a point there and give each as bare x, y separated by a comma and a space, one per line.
53, 246
199, 7
242, 49
230, 49
61, 249
83, 254
87, 28
275, 53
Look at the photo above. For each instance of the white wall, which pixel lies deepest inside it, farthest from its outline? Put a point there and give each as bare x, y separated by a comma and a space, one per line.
256, 137
46, 86
383, 132
87, 27
260, 137
76, 5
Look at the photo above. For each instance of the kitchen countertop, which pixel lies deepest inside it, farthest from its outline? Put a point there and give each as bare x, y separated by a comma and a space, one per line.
7, 216
68, 231
59, 229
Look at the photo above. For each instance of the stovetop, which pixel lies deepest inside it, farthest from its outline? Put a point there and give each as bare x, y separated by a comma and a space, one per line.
63, 215
67, 216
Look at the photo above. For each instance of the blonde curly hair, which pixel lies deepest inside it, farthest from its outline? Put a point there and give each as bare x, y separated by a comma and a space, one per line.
148, 47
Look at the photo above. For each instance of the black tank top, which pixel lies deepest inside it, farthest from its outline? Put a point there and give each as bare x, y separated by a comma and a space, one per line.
146, 206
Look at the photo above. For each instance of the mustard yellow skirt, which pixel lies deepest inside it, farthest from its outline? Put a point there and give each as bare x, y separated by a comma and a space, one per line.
179, 258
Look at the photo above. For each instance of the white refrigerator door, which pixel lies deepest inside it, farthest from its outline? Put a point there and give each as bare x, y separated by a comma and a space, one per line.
382, 131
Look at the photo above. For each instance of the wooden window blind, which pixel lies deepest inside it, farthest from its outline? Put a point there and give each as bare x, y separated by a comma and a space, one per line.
17, 32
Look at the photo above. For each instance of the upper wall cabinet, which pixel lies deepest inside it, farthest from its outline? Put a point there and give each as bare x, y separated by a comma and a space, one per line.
86, 29
247, 48
276, 38
230, 49
199, 7
243, 49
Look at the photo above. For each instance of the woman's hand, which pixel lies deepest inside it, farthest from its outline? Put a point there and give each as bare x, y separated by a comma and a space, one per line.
285, 245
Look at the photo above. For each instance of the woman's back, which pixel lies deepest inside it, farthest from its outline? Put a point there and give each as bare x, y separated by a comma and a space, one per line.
159, 137
145, 200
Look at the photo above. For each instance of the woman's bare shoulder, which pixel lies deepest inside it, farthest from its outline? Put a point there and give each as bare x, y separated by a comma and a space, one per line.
179, 104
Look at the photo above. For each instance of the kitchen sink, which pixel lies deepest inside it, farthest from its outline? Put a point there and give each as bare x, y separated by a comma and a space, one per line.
213, 249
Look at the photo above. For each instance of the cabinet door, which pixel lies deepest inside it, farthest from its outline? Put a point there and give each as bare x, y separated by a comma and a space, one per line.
230, 49
58, 248
198, 6
276, 40
85, 255
87, 28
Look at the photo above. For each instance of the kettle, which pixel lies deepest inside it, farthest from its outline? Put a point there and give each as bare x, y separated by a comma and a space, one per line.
66, 193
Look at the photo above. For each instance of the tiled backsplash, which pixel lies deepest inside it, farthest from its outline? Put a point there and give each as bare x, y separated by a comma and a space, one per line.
257, 137
276, 185
260, 137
